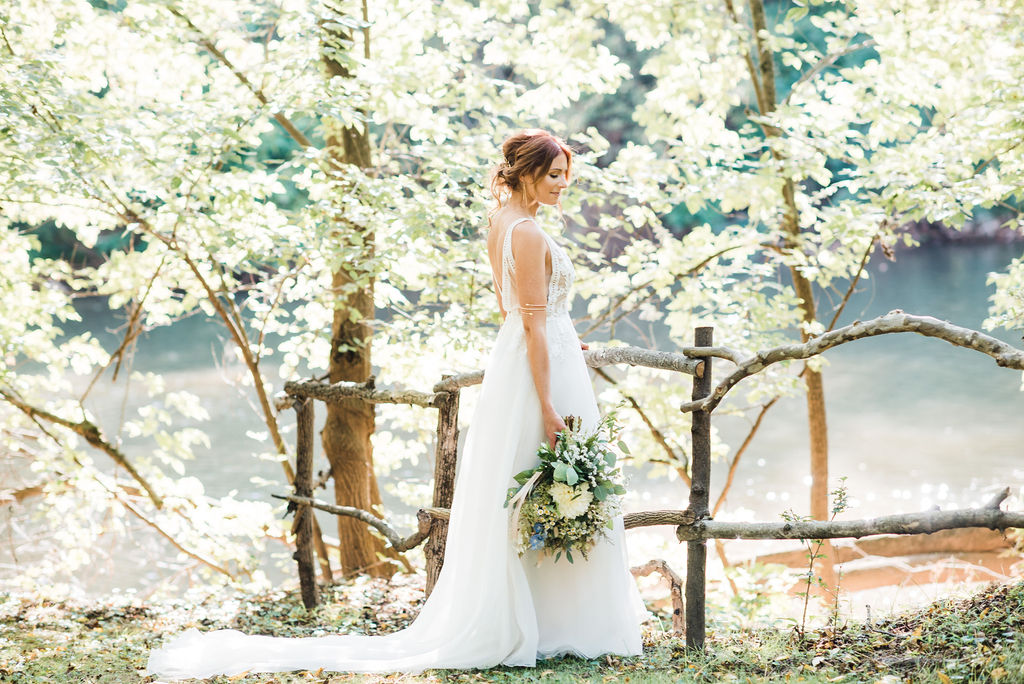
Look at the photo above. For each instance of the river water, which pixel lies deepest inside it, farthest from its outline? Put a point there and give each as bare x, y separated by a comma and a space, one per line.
913, 422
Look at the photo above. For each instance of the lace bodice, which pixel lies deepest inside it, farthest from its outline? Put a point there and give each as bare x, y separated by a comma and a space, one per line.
559, 285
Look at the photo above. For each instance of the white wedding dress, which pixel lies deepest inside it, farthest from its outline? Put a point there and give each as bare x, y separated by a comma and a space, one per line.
490, 606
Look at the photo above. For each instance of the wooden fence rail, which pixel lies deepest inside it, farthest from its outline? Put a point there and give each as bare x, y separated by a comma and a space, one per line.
989, 516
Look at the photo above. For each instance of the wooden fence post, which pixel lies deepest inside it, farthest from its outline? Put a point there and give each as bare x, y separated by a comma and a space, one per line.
444, 479
700, 476
302, 527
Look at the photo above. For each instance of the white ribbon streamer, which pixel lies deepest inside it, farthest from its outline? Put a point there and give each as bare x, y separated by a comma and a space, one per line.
517, 502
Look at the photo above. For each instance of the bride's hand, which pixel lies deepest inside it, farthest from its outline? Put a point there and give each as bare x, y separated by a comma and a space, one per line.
584, 345
553, 424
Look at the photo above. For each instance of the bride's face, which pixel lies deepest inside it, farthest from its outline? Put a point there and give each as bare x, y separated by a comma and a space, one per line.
548, 188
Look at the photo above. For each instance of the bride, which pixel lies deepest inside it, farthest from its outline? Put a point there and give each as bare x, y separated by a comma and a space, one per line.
490, 606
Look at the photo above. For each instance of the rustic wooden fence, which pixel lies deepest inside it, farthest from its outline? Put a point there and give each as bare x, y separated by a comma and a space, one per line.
694, 524
444, 396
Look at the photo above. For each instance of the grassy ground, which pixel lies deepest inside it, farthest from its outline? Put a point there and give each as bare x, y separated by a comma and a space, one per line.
978, 639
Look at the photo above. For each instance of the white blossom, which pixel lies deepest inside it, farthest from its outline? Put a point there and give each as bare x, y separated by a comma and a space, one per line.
572, 502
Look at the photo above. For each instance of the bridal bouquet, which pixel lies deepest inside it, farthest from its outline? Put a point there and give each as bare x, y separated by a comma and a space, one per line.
572, 497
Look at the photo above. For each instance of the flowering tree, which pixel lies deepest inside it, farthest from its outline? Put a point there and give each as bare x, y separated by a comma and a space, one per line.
154, 119
816, 130
311, 175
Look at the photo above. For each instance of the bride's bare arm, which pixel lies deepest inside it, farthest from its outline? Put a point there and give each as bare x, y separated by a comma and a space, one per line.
530, 249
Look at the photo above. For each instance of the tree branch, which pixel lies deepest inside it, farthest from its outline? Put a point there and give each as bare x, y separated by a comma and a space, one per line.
684, 362
826, 62
679, 462
133, 328
338, 391
14, 496
191, 554
693, 270
650, 518
277, 300
989, 516
691, 529
758, 92
92, 435
235, 328
675, 588
397, 541
765, 65
726, 353
896, 321
281, 119
739, 454
856, 278
635, 356
630, 520
7, 43
459, 381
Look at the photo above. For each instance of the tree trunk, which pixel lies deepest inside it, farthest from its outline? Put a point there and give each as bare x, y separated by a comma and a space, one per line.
347, 431
816, 419
350, 423
817, 427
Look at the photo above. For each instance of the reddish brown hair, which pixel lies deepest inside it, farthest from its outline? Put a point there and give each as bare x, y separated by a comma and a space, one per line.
528, 155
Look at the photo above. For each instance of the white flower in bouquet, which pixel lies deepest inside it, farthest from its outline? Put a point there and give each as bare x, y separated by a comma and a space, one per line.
572, 502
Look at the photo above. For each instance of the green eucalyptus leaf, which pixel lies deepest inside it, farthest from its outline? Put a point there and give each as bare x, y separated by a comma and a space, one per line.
524, 476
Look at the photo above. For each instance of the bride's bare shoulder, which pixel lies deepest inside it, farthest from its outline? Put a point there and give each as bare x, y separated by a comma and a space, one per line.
502, 220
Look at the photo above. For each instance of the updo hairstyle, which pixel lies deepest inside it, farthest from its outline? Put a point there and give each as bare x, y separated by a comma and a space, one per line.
528, 155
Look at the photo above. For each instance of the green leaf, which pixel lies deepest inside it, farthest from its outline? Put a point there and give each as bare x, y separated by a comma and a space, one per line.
559, 474
571, 476
522, 477
610, 524
796, 14
600, 492
623, 448
568, 554
619, 489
